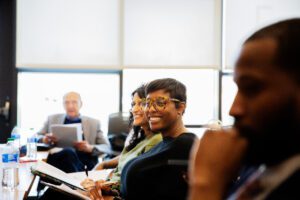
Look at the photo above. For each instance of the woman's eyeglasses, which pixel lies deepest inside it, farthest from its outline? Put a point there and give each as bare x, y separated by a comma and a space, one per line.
158, 103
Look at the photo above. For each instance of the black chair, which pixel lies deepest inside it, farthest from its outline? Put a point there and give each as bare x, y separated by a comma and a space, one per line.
118, 129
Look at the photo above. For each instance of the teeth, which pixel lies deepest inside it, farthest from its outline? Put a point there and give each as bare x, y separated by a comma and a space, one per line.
154, 119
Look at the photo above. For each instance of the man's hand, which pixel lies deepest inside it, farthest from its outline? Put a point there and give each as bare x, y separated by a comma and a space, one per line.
83, 146
215, 161
49, 138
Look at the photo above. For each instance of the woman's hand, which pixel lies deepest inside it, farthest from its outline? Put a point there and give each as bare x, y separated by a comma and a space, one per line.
100, 166
100, 190
94, 188
86, 183
95, 192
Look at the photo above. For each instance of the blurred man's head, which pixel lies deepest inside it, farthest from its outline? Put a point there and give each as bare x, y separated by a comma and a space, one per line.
72, 104
267, 105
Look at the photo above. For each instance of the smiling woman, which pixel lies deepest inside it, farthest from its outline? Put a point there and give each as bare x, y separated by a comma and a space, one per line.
160, 173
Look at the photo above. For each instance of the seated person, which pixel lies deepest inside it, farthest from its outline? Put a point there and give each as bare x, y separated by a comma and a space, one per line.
266, 130
73, 159
141, 140
160, 173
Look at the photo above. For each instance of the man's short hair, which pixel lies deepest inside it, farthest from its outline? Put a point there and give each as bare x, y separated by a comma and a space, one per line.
287, 36
73, 93
175, 88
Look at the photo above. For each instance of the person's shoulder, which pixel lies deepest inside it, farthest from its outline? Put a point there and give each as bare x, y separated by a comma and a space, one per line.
187, 136
56, 116
91, 119
156, 138
289, 187
185, 139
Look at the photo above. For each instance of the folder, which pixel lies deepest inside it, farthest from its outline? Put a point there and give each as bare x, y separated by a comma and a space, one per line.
67, 134
67, 182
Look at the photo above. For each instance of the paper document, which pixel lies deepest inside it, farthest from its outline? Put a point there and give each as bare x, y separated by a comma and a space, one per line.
52, 172
67, 134
95, 175
70, 182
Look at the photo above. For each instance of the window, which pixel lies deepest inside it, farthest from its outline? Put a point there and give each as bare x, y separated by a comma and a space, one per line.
243, 17
229, 90
40, 94
200, 83
146, 39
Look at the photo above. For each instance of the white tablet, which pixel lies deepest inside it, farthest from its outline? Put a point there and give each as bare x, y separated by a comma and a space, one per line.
67, 134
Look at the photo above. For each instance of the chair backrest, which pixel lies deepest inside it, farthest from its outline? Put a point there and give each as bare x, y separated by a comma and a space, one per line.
118, 129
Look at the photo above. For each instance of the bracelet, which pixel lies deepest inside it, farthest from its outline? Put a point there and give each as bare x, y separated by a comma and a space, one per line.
117, 198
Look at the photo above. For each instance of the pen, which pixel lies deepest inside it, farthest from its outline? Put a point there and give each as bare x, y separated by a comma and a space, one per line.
86, 171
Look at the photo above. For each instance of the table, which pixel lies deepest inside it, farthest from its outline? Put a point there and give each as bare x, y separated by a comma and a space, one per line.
25, 178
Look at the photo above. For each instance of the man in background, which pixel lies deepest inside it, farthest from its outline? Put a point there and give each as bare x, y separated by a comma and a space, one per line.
267, 123
85, 152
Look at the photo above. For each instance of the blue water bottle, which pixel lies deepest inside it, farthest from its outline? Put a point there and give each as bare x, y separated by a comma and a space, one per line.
10, 160
32, 147
15, 134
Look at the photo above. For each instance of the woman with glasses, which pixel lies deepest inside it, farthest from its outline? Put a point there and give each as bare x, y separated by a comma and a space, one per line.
161, 173
142, 139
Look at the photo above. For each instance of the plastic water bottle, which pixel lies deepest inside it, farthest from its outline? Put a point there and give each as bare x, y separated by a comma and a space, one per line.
15, 134
10, 160
32, 147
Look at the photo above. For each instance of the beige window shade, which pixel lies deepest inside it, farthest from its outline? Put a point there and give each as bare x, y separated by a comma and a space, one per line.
243, 17
68, 33
200, 84
172, 33
93, 34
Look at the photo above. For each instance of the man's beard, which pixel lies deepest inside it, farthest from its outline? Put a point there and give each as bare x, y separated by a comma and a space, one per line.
271, 150
277, 139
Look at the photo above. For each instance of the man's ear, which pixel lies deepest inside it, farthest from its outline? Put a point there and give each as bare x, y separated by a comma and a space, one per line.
80, 104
